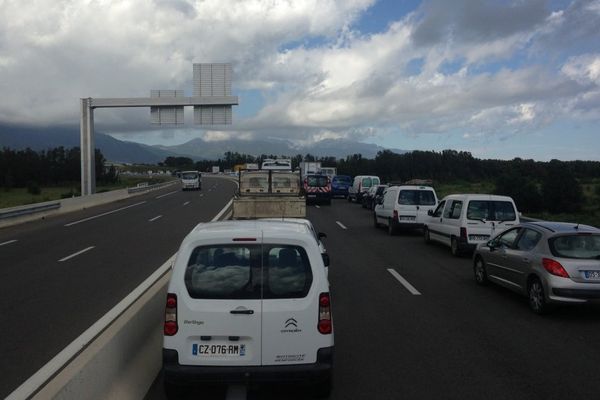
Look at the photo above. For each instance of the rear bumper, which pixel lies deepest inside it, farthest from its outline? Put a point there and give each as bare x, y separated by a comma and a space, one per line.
583, 294
303, 373
319, 196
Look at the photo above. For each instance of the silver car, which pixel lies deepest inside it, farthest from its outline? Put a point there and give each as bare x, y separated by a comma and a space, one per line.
549, 262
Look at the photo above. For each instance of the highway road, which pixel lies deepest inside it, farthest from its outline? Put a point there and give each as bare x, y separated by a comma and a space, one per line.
436, 334
60, 275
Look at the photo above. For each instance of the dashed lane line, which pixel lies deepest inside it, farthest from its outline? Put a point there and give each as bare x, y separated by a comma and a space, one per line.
404, 282
76, 254
103, 214
8, 242
341, 225
155, 218
166, 194
186, 203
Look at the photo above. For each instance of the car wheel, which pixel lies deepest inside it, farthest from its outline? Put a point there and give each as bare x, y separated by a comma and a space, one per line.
426, 235
479, 272
454, 249
392, 227
537, 298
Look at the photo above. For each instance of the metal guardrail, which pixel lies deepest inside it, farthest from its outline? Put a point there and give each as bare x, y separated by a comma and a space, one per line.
20, 211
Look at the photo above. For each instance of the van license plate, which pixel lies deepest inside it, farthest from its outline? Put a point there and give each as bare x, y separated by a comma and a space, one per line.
592, 274
219, 350
407, 218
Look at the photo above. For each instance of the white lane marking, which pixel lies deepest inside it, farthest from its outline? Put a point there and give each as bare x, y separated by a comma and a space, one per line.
220, 214
317, 206
76, 254
155, 218
8, 242
236, 392
103, 214
166, 194
404, 282
201, 194
186, 203
341, 225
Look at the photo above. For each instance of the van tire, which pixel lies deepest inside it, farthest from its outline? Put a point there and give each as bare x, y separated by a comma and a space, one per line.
375, 223
454, 248
392, 229
322, 390
426, 235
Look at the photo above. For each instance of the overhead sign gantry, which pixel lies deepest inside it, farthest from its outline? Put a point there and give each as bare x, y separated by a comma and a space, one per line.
212, 102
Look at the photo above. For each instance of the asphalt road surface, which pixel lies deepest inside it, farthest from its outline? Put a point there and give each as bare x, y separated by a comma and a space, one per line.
60, 275
426, 331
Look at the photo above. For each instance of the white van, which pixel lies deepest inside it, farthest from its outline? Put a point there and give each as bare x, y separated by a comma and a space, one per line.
248, 302
191, 180
404, 206
462, 221
360, 186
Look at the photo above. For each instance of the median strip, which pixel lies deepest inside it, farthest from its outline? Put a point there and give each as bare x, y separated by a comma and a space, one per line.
103, 214
404, 282
8, 242
341, 225
155, 218
76, 254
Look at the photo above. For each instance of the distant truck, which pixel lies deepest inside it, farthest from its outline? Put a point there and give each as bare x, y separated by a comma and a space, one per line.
269, 194
329, 171
280, 164
216, 169
310, 167
191, 180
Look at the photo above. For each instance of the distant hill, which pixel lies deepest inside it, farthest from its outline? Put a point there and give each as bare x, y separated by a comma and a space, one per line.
339, 148
42, 138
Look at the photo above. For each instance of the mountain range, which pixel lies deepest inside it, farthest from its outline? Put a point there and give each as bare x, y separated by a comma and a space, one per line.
42, 138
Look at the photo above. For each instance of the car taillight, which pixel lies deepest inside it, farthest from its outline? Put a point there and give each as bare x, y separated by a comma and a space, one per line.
463, 233
554, 267
325, 327
395, 215
170, 327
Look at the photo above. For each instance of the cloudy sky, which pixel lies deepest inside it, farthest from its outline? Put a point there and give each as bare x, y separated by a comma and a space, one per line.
500, 79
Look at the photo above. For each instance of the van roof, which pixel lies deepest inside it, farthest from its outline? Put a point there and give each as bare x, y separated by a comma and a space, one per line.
478, 196
413, 187
228, 230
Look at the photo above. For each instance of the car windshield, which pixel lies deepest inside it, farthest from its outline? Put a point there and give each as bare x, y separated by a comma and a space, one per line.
581, 246
189, 175
342, 179
416, 198
491, 210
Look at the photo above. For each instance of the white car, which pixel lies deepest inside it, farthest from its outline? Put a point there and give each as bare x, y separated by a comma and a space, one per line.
404, 206
360, 186
462, 221
248, 302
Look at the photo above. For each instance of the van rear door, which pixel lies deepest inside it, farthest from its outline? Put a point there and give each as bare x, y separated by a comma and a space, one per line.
220, 312
290, 306
487, 218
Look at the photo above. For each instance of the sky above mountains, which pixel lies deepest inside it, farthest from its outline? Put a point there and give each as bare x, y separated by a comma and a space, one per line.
500, 79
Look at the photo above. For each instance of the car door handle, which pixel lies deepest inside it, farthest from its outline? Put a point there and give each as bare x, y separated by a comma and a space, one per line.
242, 311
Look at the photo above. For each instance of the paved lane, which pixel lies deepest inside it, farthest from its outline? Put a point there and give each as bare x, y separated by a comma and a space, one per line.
62, 274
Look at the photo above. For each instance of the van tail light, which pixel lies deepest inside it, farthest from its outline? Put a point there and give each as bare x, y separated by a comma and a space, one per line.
395, 216
170, 327
554, 267
325, 327
463, 233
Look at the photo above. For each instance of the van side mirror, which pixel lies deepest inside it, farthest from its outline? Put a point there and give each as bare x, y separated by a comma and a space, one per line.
380, 200
325, 259
430, 213
322, 235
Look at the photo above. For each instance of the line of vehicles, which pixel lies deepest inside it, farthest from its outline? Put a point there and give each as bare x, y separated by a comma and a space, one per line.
549, 262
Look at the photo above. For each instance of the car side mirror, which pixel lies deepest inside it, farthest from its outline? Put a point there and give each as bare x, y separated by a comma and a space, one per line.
322, 235
380, 200
491, 244
430, 213
325, 259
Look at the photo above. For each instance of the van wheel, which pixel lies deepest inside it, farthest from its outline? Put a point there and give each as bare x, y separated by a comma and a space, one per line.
426, 236
392, 229
479, 272
454, 249
322, 390
375, 223
537, 298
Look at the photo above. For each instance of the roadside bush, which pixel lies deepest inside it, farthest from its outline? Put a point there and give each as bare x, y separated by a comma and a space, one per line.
523, 190
33, 188
562, 192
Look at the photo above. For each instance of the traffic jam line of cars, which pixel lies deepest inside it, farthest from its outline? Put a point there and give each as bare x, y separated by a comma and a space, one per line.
548, 262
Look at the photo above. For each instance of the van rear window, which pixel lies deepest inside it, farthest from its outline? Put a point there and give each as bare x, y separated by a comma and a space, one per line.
416, 198
236, 272
491, 210
576, 246
317, 181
